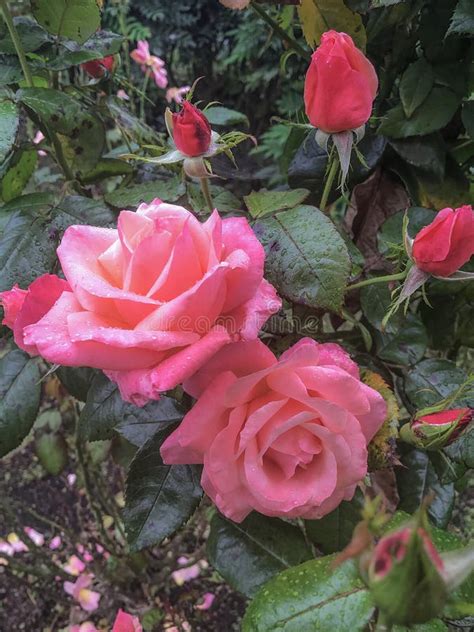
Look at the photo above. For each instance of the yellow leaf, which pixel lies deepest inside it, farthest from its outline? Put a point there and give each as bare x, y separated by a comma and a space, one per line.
318, 16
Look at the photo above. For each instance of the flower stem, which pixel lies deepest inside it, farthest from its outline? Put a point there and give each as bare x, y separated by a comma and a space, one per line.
334, 165
143, 95
381, 279
280, 31
16, 43
382, 624
207, 193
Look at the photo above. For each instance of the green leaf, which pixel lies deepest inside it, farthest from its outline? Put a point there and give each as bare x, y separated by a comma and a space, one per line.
432, 380
127, 122
463, 19
159, 498
468, 117
32, 233
10, 70
31, 34
444, 541
105, 411
80, 132
249, 553
425, 152
9, 121
18, 174
261, 203
138, 428
405, 347
51, 450
438, 109
318, 16
74, 19
218, 115
416, 479
222, 198
306, 258
76, 380
170, 190
462, 449
415, 85
107, 168
334, 531
310, 597
19, 398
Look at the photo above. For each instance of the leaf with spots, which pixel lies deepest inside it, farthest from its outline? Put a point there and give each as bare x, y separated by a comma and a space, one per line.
19, 398
73, 19
306, 258
80, 132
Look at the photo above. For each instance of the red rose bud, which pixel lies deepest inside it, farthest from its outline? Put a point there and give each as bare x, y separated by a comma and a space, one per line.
446, 244
97, 68
405, 577
435, 431
191, 131
340, 85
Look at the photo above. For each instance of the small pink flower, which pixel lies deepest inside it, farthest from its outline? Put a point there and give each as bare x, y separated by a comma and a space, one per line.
39, 136
6, 548
87, 626
126, 623
183, 575
88, 557
182, 560
149, 62
207, 601
79, 590
35, 536
74, 566
177, 94
71, 479
55, 543
121, 94
17, 545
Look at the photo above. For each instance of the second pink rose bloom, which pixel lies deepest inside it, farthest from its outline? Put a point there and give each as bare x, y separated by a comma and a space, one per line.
149, 302
285, 437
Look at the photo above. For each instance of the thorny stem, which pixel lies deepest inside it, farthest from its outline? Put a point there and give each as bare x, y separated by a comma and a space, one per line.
381, 279
207, 193
334, 164
17, 43
280, 31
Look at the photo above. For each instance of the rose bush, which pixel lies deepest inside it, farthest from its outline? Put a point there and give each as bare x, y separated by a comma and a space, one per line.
148, 327
286, 437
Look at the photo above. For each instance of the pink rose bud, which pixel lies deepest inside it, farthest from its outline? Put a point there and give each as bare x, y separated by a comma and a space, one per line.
340, 85
446, 244
285, 437
433, 432
191, 131
97, 68
405, 577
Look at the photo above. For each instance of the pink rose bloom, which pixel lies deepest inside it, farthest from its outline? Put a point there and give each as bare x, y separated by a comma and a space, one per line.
126, 623
150, 302
79, 590
285, 437
150, 63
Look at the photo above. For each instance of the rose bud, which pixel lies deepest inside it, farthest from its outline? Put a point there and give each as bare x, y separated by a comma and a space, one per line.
405, 577
433, 432
191, 130
340, 85
97, 68
446, 244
